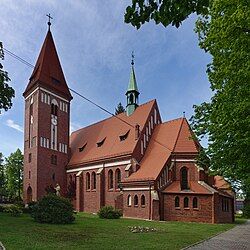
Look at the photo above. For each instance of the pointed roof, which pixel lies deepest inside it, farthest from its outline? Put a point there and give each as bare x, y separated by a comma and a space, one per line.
132, 86
48, 72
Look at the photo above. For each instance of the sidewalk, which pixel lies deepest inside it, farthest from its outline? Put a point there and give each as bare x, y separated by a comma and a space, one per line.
237, 238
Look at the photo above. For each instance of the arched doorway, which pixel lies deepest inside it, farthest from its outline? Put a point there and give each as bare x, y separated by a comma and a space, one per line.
29, 194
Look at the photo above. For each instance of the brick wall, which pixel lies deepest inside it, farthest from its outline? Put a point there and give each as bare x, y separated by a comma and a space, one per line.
202, 214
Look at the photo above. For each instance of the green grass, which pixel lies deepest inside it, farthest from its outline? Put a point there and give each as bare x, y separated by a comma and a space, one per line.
90, 232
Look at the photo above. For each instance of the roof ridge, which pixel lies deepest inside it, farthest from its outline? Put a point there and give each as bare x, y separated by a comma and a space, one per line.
109, 118
178, 135
171, 120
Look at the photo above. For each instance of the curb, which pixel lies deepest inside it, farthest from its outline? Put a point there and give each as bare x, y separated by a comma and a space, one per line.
2, 246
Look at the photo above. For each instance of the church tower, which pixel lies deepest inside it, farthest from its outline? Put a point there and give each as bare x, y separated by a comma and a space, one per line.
132, 92
47, 115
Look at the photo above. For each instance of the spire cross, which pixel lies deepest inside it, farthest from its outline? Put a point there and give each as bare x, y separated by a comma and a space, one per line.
50, 17
133, 57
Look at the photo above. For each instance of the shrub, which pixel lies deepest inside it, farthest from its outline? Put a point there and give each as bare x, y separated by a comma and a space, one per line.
13, 210
1, 209
246, 211
54, 210
108, 212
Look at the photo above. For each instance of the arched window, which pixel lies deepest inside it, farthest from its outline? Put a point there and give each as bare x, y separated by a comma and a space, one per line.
177, 201
29, 194
184, 178
110, 179
136, 200
195, 202
87, 181
143, 201
131, 99
93, 181
117, 177
54, 109
186, 201
129, 200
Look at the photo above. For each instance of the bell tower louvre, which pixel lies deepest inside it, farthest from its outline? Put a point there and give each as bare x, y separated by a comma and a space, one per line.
46, 135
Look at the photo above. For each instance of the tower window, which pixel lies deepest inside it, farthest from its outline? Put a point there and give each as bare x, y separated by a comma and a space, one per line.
54, 159
30, 157
131, 99
124, 137
53, 177
54, 109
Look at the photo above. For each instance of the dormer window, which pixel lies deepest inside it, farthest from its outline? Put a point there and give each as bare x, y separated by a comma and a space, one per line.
124, 137
100, 143
82, 148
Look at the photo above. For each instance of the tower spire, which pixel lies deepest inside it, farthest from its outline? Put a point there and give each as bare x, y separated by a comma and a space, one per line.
132, 91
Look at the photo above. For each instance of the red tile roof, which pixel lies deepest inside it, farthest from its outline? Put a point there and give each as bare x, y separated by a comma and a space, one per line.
172, 136
195, 187
48, 71
111, 129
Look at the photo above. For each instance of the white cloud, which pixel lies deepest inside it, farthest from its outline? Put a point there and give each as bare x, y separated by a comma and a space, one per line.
10, 123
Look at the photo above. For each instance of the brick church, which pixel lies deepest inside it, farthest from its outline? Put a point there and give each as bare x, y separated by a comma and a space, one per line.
133, 161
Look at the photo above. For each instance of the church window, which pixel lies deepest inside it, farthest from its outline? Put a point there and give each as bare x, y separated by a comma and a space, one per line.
47, 143
54, 108
152, 122
110, 179
195, 202
155, 118
100, 143
131, 99
143, 201
135, 200
125, 136
177, 201
184, 178
42, 97
141, 147
93, 180
149, 128
30, 157
144, 141
117, 178
147, 133
129, 200
186, 202
82, 148
87, 181
166, 174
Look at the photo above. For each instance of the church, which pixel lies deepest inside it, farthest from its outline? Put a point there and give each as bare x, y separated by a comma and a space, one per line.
132, 161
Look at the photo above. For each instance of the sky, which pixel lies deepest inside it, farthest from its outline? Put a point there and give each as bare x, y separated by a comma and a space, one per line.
94, 46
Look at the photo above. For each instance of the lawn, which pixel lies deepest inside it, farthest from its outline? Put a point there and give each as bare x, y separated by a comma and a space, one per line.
90, 232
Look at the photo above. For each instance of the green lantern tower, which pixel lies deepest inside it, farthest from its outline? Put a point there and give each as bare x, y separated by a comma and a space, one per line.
132, 92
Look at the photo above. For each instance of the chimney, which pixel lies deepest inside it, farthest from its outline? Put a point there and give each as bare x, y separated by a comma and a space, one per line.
137, 131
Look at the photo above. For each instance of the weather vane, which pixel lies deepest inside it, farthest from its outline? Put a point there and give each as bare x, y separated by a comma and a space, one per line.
50, 17
133, 57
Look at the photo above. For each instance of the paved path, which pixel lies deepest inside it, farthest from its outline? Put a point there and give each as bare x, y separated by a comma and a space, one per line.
237, 238
1, 246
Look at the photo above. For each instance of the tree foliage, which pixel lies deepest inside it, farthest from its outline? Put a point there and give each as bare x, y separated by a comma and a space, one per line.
14, 174
6, 92
163, 11
226, 118
2, 178
120, 109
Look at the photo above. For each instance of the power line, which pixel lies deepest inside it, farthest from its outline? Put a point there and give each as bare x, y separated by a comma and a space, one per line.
80, 95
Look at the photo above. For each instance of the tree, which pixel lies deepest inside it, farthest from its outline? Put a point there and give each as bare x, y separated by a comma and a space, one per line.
120, 109
2, 178
6, 92
226, 118
14, 174
163, 11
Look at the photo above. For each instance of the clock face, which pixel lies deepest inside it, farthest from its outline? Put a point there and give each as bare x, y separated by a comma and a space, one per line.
54, 121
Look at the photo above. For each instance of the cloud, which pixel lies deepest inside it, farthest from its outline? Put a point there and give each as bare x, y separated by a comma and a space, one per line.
10, 123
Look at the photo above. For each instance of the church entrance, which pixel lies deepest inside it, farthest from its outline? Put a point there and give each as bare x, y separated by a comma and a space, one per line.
29, 194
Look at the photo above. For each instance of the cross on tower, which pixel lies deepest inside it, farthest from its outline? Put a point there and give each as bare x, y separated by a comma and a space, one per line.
133, 57
50, 17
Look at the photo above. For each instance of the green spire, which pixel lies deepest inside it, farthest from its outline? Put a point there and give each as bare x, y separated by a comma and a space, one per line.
132, 92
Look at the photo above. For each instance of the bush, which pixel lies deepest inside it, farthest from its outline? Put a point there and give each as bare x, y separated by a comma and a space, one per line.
54, 210
13, 210
108, 212
246, 211
1, 209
